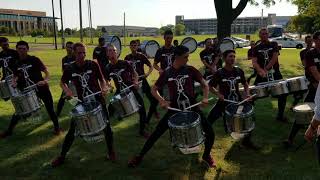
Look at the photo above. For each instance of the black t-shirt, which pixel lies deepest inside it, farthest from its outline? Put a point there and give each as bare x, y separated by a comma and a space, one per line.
312, 59
165, 57
123, 69
228, 82
93, 76
67, 61
166, 79
138, 61
100, 54
264, 52
34, 71
208, 55
11, 56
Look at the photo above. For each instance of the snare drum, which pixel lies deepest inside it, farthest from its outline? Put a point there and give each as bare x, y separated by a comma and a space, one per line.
297, 84
125, 104
186, 130
150, 48
4, 90
26, 103
90, 120
278, 88
303, 113
261, 91
240, 118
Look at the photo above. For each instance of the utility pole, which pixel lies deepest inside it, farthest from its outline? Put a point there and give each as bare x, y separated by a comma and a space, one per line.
80, 14
90, 21
54, 27
62, 29
124, 29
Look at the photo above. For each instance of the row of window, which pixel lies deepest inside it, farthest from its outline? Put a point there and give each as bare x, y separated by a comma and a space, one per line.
27, 18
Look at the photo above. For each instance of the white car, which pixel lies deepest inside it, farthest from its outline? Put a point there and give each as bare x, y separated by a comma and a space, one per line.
287, 42
240, 43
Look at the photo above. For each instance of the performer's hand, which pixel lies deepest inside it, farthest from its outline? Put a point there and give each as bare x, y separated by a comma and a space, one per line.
161, 71
14, 84
249, 97
221, 97
164, 104
69, 93
309, 134
42, 83
104, 91
204, 102
262, 73
136, 84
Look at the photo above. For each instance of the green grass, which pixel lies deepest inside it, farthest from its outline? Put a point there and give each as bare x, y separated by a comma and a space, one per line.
86, 40
27, 154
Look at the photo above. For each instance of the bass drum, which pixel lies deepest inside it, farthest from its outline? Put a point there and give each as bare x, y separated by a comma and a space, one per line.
150, 48
190, 43
227, 44
114, 40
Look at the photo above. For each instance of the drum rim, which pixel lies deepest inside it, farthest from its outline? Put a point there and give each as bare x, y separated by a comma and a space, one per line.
194, 40
193, 124
119, 40
251, 112
94, 110
145, 47
227, 39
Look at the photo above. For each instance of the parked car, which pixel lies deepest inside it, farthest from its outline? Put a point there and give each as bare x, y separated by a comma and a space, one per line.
287, 42
240, 43
201, 44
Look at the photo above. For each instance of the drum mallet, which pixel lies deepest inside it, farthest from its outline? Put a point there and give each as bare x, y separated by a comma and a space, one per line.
130, 86
197, 104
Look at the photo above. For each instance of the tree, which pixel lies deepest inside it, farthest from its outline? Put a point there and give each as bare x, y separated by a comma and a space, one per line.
226, 14
165, 28
180, 29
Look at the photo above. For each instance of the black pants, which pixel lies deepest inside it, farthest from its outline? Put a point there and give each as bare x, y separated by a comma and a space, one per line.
45, 95
282, 99
296, 127
61, 103
163, 126
153, 102
68, 141
297, 97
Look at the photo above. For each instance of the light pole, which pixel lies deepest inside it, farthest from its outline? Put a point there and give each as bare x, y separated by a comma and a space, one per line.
54, 27
90, 21
80, 14
62, 29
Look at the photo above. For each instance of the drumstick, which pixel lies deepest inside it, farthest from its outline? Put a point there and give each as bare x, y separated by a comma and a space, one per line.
197, 104
230, 101
130, 86
174, 109
246, 99
92, 94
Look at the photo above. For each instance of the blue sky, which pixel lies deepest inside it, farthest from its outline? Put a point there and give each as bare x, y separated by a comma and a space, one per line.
153, 13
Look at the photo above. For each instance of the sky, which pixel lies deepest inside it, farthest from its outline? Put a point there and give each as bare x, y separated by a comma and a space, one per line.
150, 13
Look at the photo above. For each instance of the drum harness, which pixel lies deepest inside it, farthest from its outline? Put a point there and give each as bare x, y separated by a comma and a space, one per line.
168, 57
87, 94
6, 68
266, 61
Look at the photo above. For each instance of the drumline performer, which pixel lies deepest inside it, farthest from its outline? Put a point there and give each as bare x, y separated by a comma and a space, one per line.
8, 58
138, 60
227, 79
249, 56
124, 76
187, 75
210, 58
35, 75
100, 55
310, 59
96, 83
265, 62
66, 61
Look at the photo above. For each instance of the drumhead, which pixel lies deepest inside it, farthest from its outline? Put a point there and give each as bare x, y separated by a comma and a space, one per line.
227, 44
150, 48
232, 109
190, 43
84, 108
114, 40
305, 107
183, 119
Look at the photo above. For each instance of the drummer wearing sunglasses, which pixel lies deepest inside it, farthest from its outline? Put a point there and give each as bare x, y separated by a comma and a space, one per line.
187, 75
124, 76
36, 67
209, 58
138, 60
95, 83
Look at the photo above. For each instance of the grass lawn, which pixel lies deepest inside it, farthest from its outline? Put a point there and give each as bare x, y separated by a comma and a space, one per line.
127, 40
28, 153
